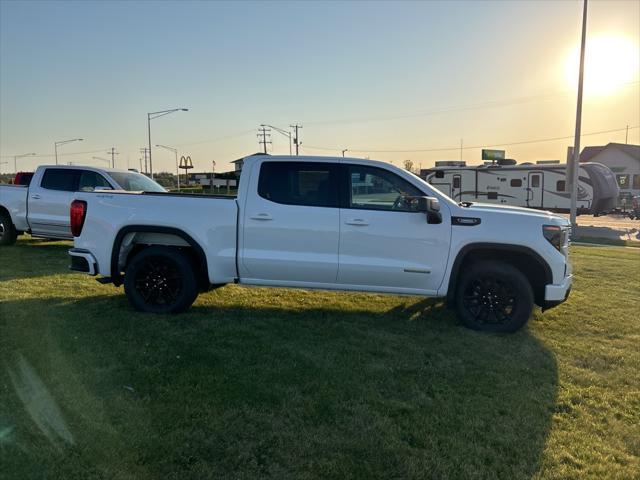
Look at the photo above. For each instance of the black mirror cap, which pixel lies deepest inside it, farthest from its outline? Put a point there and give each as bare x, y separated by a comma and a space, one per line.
433, 210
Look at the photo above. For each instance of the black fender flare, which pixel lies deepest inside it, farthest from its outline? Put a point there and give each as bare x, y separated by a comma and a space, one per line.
202, 267
495, 247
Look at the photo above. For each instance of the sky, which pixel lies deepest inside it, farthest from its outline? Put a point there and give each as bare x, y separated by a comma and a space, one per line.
386, 80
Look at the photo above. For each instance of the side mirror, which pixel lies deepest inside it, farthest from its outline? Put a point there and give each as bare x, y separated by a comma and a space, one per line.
428, 205
433, 210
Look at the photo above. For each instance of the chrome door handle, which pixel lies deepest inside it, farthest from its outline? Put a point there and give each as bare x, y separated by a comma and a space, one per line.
359, 222
35, 196
261, 216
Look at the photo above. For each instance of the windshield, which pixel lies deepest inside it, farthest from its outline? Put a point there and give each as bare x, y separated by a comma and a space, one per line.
136, 182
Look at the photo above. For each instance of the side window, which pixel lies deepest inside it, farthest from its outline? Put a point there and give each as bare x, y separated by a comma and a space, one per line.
299, 183
90, 180
535, 181
561, 185
456, 182
61, 179
516, 182
377, 189
492, 195
439, 174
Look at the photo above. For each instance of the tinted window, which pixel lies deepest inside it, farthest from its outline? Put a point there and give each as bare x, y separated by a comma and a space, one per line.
440, 174
561, 185
516, 182
535, 181
377, 189
90, 180
60, 179
492, 195
299, 183
456, 182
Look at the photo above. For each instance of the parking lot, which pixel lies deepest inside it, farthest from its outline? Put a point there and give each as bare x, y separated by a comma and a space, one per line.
265, 383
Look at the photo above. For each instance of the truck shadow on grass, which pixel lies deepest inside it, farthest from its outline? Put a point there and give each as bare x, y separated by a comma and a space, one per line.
283, 392
38, 257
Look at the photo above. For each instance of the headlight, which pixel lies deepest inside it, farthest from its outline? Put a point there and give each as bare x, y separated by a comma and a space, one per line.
555, 235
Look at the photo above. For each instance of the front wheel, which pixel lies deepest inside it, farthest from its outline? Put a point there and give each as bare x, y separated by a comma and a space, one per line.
161, 280
494, 297
8, 232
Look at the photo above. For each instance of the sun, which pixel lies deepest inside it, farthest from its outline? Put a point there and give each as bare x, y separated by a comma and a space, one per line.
611, 62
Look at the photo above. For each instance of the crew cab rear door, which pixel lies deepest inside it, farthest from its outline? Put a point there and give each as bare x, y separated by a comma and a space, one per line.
48, 202
290, 224
384, 244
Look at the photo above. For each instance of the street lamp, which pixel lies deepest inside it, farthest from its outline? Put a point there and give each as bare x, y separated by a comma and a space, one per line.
175, 152
344, 150
280, 130
151, 116
16, 157
62, 142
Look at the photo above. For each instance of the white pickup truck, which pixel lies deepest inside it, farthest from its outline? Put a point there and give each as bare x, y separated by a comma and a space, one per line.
326, 223
42, 207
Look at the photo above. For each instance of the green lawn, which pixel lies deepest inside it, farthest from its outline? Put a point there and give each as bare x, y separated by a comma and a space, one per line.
256, 383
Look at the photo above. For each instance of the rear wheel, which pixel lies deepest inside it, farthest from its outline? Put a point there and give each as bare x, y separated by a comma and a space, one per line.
8, 232
494, 297
161, 280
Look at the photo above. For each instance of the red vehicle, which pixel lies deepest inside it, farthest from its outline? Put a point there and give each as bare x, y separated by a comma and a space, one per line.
23, 178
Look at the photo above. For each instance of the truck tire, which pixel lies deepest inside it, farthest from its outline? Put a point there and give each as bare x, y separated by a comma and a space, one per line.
493, 296
8, 232
161, 280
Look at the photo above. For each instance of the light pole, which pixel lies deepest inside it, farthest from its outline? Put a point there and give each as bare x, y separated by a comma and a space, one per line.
213, 173
575, 163
151, 116
62, 142
175, 152
344, 150
16, 157
282, 131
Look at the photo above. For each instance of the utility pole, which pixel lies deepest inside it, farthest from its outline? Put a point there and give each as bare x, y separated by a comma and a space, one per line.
296, 138
113, 153
144, 151
575, 164
213, 173
264, 133
626, 136
461, 143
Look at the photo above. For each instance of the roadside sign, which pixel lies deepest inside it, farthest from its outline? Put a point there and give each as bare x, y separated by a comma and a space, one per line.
186, 163
492, 154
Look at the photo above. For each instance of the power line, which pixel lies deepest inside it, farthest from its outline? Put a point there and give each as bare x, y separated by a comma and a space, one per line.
447, 149
219, 139
459, 108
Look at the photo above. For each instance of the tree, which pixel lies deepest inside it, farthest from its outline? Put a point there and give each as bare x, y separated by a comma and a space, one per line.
408, 165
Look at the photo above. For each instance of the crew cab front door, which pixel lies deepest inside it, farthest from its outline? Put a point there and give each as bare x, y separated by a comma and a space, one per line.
384, 244
290, 222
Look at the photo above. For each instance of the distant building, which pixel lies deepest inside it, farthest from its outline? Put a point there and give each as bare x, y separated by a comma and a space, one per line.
624, 161
237, 164
203, 179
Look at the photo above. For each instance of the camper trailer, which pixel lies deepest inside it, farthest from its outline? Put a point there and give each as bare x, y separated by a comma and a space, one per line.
543, 185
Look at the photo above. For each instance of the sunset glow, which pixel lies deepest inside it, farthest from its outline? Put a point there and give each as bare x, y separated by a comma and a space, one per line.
611, 63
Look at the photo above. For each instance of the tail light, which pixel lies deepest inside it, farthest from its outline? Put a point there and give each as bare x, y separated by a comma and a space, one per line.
78, 212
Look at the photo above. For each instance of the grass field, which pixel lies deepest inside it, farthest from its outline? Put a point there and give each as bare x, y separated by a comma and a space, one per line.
256, 383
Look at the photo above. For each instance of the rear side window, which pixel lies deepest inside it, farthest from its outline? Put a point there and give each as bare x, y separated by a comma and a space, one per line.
516, 182
62, 179
560, 186
535, 181
299, 183
456, 182
492, 195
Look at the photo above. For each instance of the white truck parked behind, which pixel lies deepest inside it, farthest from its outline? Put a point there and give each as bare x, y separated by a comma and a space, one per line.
42, 207
326, 223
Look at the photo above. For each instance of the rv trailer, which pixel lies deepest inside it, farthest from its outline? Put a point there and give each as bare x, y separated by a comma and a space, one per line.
542, 186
